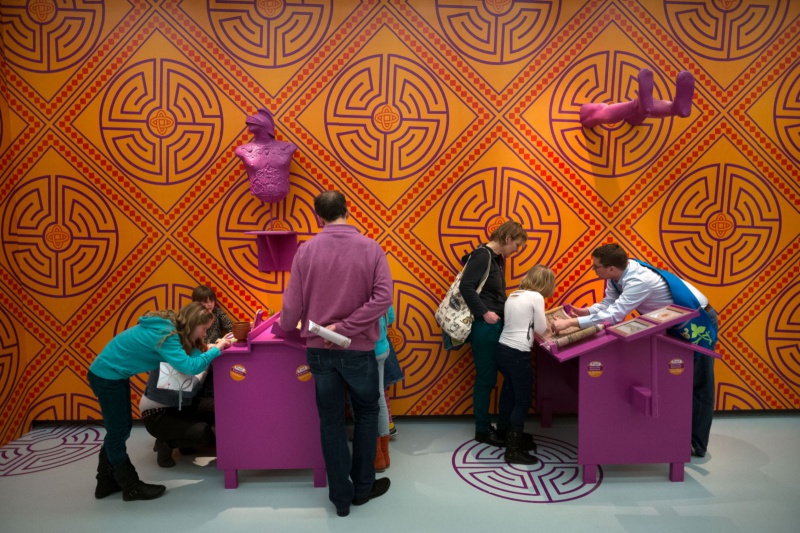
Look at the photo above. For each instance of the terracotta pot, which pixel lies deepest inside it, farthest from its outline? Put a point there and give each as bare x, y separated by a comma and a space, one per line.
240, 331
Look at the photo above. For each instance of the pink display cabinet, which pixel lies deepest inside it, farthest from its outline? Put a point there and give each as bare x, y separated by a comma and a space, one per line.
631, 386
265, 405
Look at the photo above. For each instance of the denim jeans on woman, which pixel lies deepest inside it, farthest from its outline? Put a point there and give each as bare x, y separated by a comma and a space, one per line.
703, 395
357, 372
484, 338
516, 394
114, 397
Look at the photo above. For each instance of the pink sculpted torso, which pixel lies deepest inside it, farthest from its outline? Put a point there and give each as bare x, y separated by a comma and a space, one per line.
266, 159
267, 165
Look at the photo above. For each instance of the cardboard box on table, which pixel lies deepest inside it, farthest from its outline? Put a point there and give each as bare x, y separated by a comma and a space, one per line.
632, 391
265, 406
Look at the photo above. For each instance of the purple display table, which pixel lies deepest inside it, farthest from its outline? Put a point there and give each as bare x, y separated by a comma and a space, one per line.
266, 412
634, 396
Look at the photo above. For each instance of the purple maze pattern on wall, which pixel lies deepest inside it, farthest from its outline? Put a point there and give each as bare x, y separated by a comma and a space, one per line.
271, 33
787, 113
52, 38
120, 189
387, 116
161, 121
488, 198
724, 29
615, 150
720, 224
61, 235
498, 31
9, 358
783, 334
418, 346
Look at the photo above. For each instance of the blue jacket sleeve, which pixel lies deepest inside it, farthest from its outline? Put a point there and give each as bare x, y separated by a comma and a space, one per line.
172, 352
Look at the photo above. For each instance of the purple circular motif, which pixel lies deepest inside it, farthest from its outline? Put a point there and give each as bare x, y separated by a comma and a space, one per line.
419, 348
62, 238
783, 334
56, 35
557, 477
787, 113
498, 32
10, 357
607, 151
724, 30
498, 194
720, 224
241, 212
270, 33
161, 121
386, 117
48, 448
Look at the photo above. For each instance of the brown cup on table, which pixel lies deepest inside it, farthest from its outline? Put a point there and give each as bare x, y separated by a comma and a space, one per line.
240, 331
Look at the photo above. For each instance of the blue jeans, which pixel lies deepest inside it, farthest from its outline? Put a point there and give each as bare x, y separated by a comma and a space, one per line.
703, 395
114, 396
334, 372
383, 409
392, 373
484, 338
516, 394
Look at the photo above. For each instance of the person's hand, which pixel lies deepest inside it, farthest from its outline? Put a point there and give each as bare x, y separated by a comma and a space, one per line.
560, 324
222, 343
490, 317
579, 311
326, 343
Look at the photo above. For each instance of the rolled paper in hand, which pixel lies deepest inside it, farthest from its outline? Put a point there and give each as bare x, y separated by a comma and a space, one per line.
325, 333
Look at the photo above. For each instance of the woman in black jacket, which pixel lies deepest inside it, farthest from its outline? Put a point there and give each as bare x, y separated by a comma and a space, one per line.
487, 308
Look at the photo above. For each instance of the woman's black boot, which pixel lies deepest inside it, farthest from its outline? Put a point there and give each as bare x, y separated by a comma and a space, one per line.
515, 450
106, 484
132, 488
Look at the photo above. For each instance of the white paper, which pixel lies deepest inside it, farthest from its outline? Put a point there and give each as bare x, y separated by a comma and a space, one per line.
325, 333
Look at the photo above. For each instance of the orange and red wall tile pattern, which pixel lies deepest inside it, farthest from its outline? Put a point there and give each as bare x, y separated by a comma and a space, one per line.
120, 191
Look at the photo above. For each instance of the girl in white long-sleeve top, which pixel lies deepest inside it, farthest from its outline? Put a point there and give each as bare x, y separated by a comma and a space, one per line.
523, 315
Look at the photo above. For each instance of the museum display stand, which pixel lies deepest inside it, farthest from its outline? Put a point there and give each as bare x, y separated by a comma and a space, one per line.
266, 412
631, 386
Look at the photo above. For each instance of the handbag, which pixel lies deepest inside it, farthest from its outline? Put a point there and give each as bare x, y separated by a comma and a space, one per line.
453, 315
174, 380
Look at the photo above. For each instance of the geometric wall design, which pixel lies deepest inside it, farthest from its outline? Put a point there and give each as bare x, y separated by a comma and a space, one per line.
120, 190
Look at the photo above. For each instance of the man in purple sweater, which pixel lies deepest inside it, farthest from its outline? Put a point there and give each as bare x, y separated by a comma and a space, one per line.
340, 279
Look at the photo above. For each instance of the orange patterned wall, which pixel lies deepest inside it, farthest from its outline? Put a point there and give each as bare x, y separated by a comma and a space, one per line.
120, 191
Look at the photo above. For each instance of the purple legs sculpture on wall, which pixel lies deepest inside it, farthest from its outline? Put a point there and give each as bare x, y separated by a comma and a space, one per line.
644, 106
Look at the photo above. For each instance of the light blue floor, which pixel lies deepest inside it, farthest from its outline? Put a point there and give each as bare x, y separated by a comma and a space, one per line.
441, 481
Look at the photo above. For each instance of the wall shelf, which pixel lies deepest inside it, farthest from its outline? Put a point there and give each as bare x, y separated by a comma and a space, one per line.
276, 249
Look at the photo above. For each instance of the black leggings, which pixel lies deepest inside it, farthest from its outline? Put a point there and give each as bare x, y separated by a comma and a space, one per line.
191, 427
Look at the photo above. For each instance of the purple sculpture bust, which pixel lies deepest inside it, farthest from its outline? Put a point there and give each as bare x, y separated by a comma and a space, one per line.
266, 159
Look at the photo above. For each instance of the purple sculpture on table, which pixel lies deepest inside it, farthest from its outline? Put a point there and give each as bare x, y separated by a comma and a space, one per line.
635, 111
266, 159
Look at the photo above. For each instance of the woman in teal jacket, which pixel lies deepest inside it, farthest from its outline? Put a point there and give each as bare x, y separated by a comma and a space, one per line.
159, 336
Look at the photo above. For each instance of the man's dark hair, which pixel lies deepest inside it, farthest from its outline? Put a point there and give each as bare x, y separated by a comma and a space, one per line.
612, 255
330, 205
